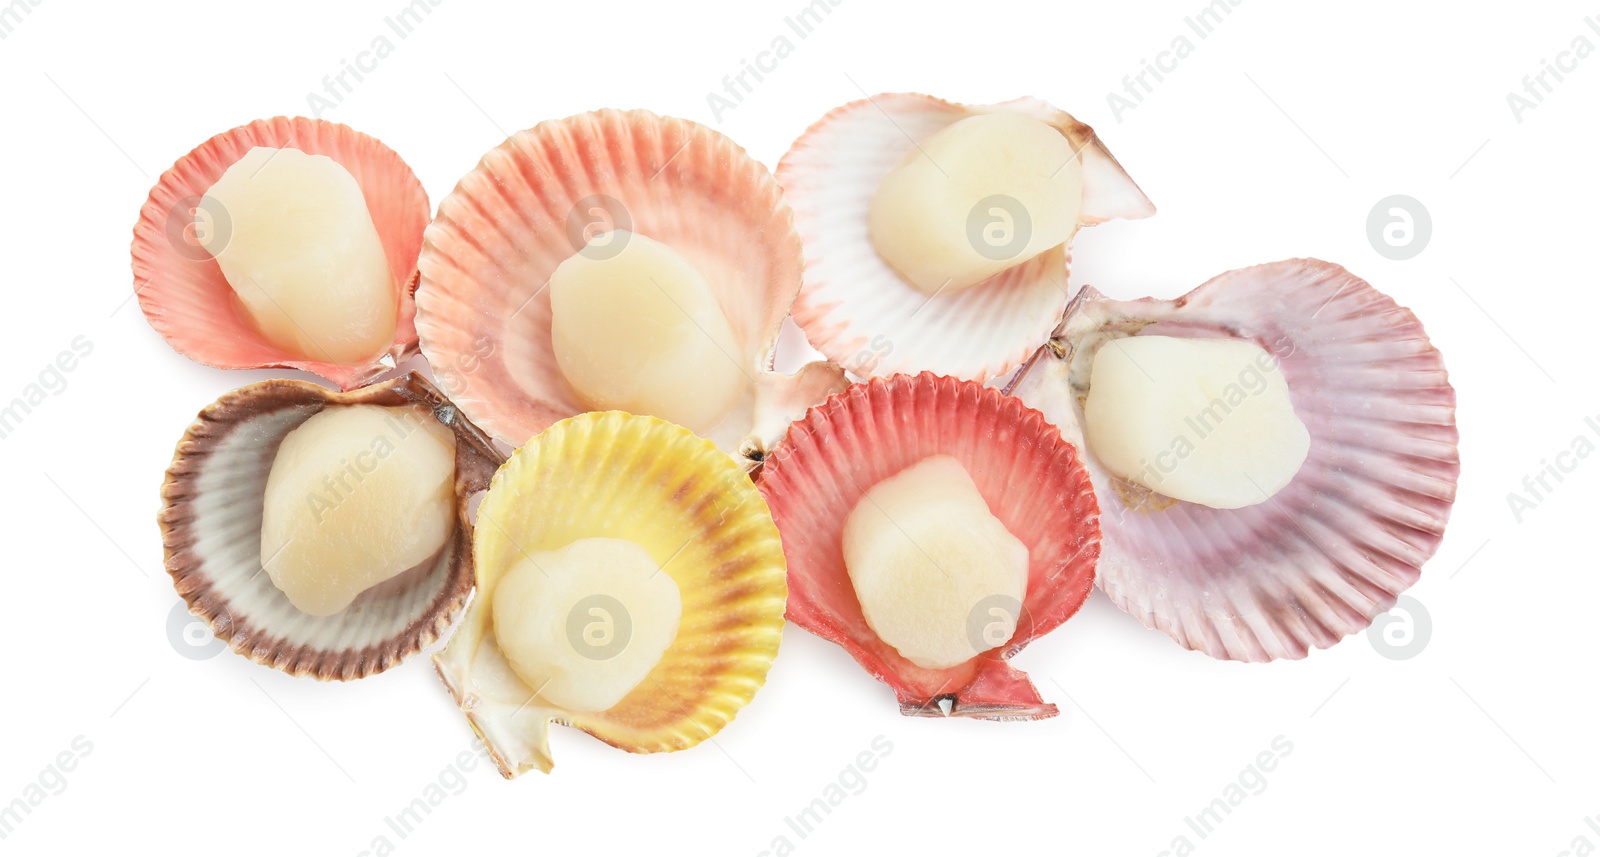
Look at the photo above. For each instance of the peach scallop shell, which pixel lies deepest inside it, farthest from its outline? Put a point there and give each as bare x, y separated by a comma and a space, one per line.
1333, 549
188, 301
211, 531
609, 474
858, 312
1031, 479
482, 308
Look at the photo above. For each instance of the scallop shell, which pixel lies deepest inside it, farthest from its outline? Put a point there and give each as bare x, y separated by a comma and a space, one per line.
182, 290
857, 310
1031, 479
483, 311
615, 475
1333, 549
211, 531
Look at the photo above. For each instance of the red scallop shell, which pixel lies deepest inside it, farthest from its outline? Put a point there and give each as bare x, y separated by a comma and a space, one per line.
182, 290
1031, 479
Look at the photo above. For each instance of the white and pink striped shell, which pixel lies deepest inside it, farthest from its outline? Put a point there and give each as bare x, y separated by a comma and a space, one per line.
484, 314
1324, 556
858, 311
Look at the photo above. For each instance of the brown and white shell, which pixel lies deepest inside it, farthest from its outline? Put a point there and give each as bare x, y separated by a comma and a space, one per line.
212, 501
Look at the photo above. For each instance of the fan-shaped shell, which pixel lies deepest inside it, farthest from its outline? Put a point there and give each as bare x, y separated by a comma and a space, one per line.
535, 200
615, 475
1333, 549
1031, 479
182, 290
212, 502
857, 310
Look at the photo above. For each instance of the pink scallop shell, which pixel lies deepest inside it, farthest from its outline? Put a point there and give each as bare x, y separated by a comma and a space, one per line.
482, 308
1332, 550
188, 301
1031, 479
858, 312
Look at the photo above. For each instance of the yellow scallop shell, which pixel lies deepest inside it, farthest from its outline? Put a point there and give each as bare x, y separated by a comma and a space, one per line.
615, 475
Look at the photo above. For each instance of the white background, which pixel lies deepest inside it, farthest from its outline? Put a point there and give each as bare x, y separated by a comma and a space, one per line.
1273, 139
